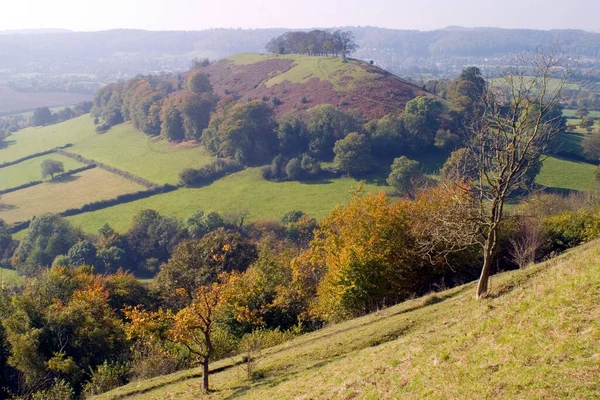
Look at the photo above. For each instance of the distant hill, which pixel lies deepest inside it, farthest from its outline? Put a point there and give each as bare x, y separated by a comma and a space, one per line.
401, 51
296, 82
40, 31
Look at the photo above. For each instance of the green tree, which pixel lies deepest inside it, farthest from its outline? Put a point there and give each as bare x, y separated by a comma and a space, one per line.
48, 236
41, 116
51, 167
325, 126
591, 147
353, 154
199, 82
587, 123
82, 253
294, 169
403, 176
246, 133
292, 135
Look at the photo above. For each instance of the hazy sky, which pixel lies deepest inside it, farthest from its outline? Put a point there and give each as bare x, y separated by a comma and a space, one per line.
86, 15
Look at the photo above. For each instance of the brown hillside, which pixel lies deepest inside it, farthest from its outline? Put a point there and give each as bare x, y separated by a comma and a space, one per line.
354, 85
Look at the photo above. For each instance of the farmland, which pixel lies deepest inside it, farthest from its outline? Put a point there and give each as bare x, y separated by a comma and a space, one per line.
29, 170
63, 193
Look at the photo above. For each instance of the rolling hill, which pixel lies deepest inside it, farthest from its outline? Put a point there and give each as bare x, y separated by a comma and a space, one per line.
535, 336
300, 82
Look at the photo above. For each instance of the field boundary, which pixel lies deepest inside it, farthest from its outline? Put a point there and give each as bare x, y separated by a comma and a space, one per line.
123, 174
35, 183
34, 155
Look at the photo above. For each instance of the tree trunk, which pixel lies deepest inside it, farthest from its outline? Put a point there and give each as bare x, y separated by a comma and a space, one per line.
205, 374
488, 251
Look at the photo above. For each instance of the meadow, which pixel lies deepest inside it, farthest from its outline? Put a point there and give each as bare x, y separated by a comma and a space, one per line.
565, 174
331, 69
245, 190
157, 160
63, 193
38, 139
534, 336
9, 278
30, 170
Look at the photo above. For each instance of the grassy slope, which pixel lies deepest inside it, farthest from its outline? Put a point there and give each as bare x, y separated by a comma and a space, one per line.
9, 278
536, 336
244, 190
30, 170
330, 69
34, 140
126, 148
61, 194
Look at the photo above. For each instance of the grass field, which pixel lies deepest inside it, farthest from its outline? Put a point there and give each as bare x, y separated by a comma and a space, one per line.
30, 170
330, 69
535, 336
560, 173
9, 278
572, 114
37, 139
128, 149
63, 193
244, 190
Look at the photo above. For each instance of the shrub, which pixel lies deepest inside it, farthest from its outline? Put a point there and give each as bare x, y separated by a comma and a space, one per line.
106, 377
209, 173
60, 391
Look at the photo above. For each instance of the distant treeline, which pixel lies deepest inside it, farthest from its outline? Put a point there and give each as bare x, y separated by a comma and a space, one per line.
315, 43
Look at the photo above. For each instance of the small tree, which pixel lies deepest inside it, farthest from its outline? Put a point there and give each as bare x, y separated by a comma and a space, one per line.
41, 116
353, 154
508, 140
403, 177
51, 168
591, 147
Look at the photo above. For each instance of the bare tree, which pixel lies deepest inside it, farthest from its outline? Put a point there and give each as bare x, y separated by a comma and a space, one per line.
508, 141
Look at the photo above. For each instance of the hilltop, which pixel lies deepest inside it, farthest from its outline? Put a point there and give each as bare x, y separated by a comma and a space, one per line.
300, 82
535, 336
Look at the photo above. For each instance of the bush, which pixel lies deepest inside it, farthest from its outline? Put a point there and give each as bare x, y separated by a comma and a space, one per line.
105, 378
60, 391
209, 173
102, 128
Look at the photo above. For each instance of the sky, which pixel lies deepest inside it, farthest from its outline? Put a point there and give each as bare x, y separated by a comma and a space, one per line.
93, 15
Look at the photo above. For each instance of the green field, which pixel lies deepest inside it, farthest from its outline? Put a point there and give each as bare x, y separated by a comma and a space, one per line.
9, 278
128, 149
572, 114
331, 69
63, 193
559, 173
29, 170
38, 139
535, 336
244, 190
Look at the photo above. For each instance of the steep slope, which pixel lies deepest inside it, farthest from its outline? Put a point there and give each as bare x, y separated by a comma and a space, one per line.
301, 82
537, 335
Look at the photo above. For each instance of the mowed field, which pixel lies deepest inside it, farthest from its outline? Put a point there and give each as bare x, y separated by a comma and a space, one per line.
154, 159
63, 193
245, 190
30, 170
561, 173
38, 139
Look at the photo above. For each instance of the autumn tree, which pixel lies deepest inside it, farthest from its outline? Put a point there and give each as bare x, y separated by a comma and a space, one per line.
509, 138
51, 167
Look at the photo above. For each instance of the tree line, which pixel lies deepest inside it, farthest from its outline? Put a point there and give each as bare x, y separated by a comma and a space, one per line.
314, 43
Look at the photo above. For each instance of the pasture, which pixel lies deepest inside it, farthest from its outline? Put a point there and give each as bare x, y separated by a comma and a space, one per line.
243, 190
42, 138
29, 170
63, 193
561, 173
157, 160
12, 101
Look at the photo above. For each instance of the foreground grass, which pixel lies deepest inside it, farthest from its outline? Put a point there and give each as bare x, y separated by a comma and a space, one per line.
126, 148
244, 190
63, 193
559, 173
37, 139
30, 170
10, 278
537, 335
